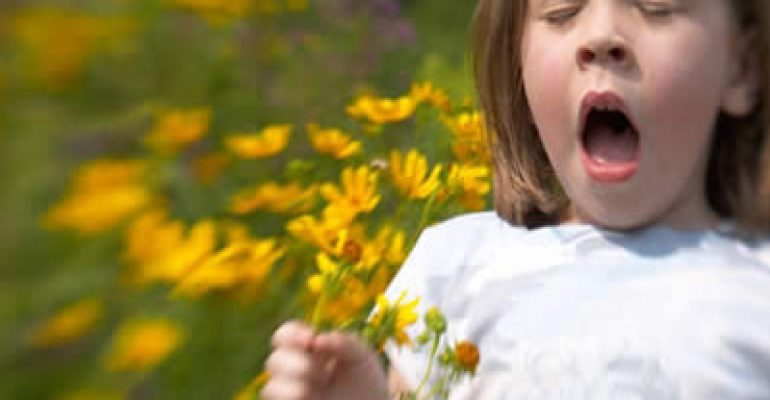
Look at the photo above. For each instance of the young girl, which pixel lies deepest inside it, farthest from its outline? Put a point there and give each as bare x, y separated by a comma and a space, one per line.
632, 172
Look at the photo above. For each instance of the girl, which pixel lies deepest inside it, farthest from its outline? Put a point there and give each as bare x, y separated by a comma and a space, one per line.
632, 162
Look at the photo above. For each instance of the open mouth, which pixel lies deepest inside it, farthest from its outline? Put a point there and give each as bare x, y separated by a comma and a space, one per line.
609, 137
610, 140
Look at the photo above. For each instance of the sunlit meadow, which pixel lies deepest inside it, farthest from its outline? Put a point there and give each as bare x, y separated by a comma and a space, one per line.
181, 176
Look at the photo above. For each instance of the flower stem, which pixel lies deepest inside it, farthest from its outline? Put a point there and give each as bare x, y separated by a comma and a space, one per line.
317, 310
425, 214
433, 350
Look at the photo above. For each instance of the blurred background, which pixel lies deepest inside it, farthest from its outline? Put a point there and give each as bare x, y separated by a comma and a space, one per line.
131, 127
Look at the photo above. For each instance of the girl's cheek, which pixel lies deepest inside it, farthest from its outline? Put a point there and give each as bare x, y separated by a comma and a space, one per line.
546, 86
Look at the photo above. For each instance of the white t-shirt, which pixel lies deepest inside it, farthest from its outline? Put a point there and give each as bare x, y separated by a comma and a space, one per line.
577, 312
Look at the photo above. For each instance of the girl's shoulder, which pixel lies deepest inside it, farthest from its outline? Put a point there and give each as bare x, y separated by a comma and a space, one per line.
461, 228
466, 239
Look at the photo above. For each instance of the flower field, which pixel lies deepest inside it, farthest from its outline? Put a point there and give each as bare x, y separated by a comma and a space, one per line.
181, 176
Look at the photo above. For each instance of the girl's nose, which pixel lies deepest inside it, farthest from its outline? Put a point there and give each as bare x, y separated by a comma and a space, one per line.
607, 52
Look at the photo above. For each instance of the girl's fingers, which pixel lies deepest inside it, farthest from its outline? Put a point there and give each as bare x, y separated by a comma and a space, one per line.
289, 364
345, 348
286, 389
293, 334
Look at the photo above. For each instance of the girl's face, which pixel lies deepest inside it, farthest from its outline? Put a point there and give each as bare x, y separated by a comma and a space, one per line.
625, 95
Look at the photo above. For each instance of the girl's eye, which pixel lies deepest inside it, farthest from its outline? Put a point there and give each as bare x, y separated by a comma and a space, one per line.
560, 15
657, 9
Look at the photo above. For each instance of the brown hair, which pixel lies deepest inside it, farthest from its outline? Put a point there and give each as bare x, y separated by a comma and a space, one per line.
526, 190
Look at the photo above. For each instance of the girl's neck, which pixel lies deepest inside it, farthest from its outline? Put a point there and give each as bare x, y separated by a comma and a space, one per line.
702, 219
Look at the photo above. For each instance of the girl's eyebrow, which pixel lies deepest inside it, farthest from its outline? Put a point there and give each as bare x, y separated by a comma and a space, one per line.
546, 3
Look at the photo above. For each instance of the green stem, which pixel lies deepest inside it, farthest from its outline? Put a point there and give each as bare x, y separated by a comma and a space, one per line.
425, 215
316, 322
437, 388
433, 350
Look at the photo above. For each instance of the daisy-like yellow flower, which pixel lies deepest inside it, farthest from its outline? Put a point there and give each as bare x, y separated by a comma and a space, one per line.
345, 301
385, 249
270, 141
357, 194
311, 230
327, 268
382, 110
102, 195
332, 142
390, 243
471, 182
426, 92
176, 129
242, 262
159, 250
142, 344
270, 196
410, 174
69, 324
391, 320
470, 137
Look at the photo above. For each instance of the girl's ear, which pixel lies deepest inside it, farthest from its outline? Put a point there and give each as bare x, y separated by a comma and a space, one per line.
741, 94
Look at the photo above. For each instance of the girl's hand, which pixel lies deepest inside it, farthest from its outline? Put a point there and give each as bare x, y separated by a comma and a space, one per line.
305, 365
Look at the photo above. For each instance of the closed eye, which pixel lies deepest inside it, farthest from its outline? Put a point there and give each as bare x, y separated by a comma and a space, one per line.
657, 9
561, 14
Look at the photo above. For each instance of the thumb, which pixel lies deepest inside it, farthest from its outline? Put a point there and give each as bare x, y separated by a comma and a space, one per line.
346, 348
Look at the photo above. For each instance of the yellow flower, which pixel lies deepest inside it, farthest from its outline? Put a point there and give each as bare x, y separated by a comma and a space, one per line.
391, 243
177, 128
358, 193
159, 250
58, 43
215, 12
142, 344
390, 321
425, 92
241, 262
103, 194
310, 230
382, 110
327, 269
270, 196
470, 137
471, 182
332, 142
270, 141
347, 302
386, 248
410, 174
69, 324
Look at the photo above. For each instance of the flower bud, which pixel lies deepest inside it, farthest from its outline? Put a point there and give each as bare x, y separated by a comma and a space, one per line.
435, 321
